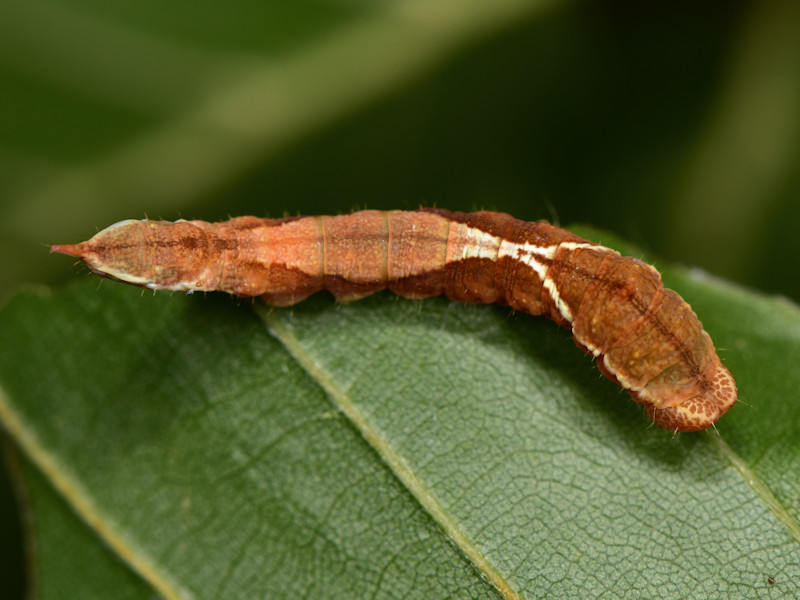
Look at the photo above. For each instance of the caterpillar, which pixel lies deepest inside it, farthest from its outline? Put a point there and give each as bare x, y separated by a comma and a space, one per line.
645, 337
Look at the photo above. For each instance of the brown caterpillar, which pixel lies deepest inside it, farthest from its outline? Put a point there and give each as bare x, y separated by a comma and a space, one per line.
645, 337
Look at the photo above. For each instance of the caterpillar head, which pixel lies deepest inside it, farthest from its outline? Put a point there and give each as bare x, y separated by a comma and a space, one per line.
700, 411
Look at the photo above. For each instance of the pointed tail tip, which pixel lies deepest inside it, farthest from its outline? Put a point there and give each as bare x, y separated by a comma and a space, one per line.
68, 249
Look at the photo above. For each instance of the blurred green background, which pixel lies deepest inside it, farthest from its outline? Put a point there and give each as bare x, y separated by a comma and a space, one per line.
675, 125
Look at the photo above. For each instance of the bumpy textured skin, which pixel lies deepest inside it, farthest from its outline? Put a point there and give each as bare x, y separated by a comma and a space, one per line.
645, 337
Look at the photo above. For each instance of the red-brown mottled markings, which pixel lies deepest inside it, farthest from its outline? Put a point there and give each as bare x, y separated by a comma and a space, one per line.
645, 337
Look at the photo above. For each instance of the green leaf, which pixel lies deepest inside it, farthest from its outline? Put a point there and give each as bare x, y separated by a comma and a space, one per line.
396, 448
67, 559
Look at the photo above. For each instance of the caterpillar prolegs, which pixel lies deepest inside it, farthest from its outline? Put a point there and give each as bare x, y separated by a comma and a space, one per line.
645, 337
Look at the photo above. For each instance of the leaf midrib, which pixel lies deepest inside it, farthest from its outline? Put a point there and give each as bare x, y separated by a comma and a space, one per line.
394, 461
759, 487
